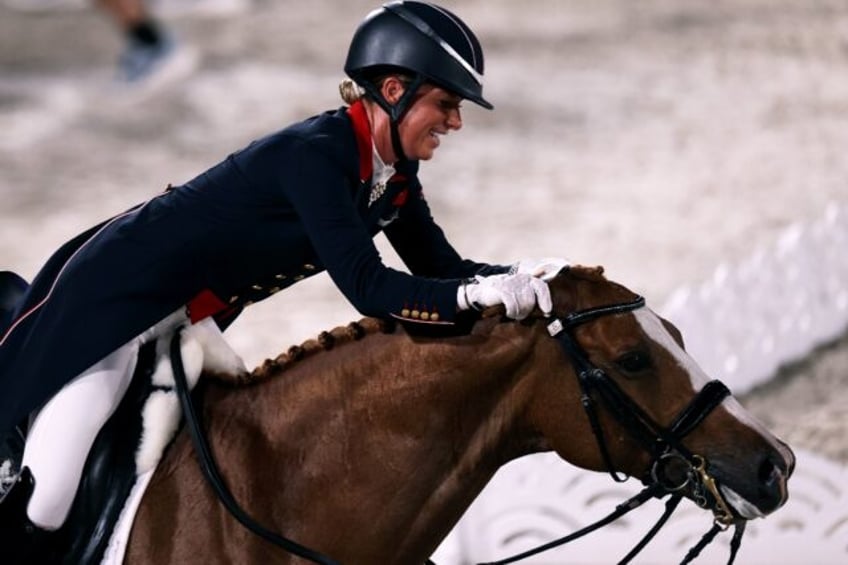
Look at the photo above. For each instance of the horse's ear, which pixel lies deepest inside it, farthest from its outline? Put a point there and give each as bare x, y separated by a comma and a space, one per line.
597, 272
675, 333
582, 271
563, 292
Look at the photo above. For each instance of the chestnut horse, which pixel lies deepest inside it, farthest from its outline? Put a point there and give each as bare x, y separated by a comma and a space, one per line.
368, 444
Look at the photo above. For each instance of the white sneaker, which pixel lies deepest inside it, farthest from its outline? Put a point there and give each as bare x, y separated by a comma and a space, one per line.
153, 66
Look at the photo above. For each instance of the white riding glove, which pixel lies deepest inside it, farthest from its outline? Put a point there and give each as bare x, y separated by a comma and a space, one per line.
519, 293
545, 268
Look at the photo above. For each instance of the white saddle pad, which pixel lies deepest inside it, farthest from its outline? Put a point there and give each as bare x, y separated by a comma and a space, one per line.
203, 347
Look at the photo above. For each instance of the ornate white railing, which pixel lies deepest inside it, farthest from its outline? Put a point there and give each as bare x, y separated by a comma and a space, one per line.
741, 325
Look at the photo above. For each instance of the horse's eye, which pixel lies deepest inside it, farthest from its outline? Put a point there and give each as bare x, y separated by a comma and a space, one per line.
634, 361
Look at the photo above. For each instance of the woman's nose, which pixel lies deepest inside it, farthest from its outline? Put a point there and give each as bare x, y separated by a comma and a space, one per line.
454, 119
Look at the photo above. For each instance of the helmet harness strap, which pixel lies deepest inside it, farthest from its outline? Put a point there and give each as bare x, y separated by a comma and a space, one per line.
395, 111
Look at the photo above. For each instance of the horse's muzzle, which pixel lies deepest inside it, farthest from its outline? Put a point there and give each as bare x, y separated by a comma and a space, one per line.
766, 491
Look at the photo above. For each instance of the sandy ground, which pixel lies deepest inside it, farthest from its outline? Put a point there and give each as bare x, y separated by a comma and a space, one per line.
807, 402
656, 138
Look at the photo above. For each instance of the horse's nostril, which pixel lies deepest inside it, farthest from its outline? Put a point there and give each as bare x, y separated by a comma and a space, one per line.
768, 473
772, 480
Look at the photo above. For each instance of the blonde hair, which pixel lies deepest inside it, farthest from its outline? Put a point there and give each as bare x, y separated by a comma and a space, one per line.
350, 91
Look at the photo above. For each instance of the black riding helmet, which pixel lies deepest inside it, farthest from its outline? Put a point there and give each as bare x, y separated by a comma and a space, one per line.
422, 40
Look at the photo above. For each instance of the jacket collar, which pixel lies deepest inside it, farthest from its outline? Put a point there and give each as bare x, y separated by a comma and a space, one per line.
364, 142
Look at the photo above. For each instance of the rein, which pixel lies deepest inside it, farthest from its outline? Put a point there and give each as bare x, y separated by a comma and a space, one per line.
213, 475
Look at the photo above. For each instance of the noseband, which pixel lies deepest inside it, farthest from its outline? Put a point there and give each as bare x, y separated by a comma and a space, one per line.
664, 444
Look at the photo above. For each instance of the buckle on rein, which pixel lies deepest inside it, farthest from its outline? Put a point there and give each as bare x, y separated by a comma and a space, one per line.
704, 486
721, 511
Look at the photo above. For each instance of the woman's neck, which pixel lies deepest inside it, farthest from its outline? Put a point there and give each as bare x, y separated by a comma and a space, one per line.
381, 132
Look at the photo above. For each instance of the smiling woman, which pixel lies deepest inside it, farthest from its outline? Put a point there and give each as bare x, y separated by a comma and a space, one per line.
433, 112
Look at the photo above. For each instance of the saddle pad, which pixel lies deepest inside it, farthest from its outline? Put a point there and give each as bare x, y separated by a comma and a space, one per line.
117, 547
203, 347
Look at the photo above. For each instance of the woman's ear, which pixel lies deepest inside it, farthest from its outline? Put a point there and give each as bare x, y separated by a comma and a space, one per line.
392, 89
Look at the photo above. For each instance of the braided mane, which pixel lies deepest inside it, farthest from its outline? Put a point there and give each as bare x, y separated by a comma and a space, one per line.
325, 341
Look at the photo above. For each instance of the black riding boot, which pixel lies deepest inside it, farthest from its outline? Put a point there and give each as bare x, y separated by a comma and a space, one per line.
21, 541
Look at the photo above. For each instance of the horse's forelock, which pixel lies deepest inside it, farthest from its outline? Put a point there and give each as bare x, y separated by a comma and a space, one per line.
579, 287
564, 287
584, 272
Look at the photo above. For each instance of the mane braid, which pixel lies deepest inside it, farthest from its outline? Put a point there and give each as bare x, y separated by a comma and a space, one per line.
325, 341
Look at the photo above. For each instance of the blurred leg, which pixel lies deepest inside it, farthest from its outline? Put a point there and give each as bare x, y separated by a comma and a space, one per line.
133, 17
152, 56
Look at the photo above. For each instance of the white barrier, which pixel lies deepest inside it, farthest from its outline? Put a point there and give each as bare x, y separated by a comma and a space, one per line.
740, 325
540, 498
772, 309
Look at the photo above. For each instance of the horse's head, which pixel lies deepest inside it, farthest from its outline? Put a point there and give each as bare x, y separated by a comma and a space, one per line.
653, 414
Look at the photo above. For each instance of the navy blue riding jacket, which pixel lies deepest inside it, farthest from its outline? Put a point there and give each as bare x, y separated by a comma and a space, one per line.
286, 207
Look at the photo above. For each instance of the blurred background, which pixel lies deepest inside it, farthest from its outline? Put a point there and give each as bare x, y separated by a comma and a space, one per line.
694, 149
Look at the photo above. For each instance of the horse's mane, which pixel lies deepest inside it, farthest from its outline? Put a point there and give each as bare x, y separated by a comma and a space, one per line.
326, 340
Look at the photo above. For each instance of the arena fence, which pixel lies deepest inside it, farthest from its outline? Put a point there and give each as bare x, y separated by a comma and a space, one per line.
741, 325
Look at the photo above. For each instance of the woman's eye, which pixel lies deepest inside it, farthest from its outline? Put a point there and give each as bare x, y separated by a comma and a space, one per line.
634, 362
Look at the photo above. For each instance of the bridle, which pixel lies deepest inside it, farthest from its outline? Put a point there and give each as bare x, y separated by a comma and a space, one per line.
664, 444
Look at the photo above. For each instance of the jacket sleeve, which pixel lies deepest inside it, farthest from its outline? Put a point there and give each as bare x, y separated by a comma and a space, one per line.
423, 247
321, 195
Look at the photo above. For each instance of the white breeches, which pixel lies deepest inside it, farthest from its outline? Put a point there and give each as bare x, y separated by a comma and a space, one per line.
65, 429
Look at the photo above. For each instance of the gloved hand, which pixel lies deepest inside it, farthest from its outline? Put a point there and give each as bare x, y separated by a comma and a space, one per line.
545, 268
519, 293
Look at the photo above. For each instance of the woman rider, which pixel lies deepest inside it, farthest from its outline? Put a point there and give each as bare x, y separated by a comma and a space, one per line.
304, 199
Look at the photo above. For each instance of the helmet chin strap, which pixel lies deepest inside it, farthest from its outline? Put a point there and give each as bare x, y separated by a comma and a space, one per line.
396, 144
395, 111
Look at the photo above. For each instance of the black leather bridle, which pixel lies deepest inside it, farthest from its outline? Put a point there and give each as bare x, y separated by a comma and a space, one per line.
664, 444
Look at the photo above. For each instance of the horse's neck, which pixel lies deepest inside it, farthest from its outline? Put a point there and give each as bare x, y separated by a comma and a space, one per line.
410, 431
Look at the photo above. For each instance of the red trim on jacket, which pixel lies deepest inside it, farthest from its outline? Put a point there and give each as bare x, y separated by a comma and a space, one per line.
205, 304
362, 131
